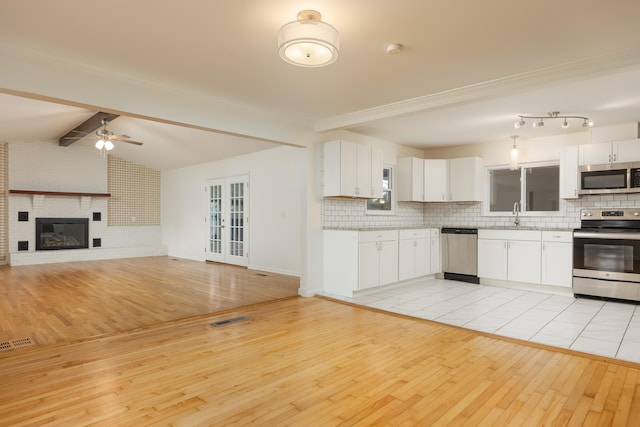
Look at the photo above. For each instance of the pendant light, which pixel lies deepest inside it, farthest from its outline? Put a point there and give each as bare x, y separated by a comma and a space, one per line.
514, 153
308, 41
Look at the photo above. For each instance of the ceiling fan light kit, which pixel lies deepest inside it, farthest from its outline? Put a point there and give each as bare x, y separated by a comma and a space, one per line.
308, 41
538, 121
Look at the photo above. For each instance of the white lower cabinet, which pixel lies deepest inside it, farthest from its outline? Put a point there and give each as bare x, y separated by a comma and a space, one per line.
414, 254
436, 252
529, 256
377, 258
513, 255
357, 260
557, 258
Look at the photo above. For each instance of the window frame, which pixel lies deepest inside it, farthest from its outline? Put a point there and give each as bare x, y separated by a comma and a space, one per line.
391, 190
524, 213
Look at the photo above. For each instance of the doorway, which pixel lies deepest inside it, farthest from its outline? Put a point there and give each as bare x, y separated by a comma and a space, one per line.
228, 220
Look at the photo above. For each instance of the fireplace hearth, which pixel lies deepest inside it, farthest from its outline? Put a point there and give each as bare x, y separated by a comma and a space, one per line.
62, 233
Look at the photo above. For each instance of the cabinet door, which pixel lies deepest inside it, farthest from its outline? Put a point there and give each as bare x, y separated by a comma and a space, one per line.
435, 255
340, 262
465, 179
492, 259
557, 263
422, 257
595, 154
388, 251
524, 261
569, 172
363, 171
368, 265
377, 167
626, 151
406, 259
409, 185
435, 180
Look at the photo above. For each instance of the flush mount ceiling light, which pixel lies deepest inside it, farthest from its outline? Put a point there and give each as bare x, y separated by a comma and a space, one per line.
309, 42
538, 121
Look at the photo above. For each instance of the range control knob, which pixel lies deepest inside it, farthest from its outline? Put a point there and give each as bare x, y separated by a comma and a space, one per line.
636, 214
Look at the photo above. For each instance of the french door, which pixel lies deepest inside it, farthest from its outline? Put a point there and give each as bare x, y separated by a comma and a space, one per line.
227, 220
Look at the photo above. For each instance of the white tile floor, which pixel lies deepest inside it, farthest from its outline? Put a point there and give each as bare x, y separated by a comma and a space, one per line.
593, 326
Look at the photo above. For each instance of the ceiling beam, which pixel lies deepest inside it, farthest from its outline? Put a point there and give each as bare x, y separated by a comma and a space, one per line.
85, 128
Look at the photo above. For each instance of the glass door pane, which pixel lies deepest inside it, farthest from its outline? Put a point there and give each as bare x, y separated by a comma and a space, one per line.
215, 219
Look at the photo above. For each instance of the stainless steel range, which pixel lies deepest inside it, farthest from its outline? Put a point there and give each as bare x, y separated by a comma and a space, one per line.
606, 254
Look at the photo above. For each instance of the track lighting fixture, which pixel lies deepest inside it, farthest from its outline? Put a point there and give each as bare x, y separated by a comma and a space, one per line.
538, 121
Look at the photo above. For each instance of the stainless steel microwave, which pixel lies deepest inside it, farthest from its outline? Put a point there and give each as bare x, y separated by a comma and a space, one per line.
610, 178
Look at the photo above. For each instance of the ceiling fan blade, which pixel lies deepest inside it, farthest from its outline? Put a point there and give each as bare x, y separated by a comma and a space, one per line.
86, 127
124, 138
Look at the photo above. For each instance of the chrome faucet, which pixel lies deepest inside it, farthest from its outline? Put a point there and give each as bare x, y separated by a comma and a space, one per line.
516, 212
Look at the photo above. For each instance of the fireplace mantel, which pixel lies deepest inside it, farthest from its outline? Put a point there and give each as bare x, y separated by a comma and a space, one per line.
38, 196
59, 193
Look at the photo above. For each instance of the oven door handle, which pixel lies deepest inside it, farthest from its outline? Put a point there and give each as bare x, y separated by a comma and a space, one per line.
596, 235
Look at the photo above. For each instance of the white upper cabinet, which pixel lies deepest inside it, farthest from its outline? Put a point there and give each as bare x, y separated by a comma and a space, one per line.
569, 172
465, 179
439, 180
610, 152
348, 170
435, 180
410, 179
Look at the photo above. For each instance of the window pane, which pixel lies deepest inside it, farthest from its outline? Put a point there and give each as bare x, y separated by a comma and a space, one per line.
542, 188
383, 204
505, 189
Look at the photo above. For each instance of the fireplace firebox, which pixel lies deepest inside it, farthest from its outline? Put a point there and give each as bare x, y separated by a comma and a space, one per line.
62, 233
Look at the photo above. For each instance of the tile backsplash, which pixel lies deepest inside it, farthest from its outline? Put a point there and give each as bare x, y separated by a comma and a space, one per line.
351, 214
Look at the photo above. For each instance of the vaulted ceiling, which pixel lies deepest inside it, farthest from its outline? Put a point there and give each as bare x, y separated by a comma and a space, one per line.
467, 69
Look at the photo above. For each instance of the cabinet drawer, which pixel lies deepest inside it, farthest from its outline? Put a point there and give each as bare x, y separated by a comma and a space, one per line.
557, 236
435, 232
419, 233
377, 235
524, 235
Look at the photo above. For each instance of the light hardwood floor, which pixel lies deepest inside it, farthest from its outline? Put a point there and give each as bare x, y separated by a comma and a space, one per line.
312, 362
52, 303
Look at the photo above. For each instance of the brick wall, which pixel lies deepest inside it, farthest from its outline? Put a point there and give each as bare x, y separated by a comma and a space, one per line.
135, 194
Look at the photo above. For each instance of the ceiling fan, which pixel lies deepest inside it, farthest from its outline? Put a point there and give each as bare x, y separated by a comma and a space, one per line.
106, 138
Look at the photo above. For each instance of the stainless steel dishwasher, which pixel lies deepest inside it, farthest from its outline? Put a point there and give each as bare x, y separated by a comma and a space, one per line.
460, 254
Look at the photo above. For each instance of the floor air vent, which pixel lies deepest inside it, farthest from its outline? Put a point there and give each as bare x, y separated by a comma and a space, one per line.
229, 321
22, 342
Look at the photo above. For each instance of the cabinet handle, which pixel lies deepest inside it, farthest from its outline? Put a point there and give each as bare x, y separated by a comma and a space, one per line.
543, 246
357, 190
614, 157
415, 243
442, 196
609, 158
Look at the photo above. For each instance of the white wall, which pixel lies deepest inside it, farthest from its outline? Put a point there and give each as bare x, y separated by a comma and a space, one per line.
276, 189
